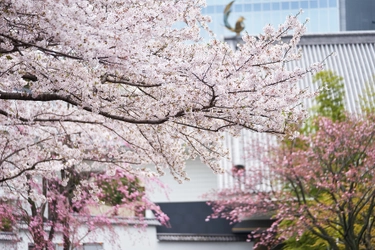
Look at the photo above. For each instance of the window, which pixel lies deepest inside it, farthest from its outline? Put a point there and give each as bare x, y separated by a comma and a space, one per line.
219, 8
210, 9
295, 5
257, 7
323, 4
285, 5
238, 7
332, 3
92, 246
314, 4
276, 6
266, 6
248, 7
304, 4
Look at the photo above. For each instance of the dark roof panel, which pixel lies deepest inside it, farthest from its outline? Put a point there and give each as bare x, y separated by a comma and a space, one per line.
190, 218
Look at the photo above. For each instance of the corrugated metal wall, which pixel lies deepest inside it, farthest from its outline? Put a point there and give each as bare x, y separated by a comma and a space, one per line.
353, 58
201, 181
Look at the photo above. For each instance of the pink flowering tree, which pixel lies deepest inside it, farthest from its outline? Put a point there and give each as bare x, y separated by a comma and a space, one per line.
107, 85
56, 208
326, 188
125, 86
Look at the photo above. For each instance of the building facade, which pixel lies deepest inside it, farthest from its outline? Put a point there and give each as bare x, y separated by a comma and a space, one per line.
325, 16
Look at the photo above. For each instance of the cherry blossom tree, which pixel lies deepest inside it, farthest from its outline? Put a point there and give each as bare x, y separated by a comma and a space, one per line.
325, 188
55, 209
107, 85
118, 84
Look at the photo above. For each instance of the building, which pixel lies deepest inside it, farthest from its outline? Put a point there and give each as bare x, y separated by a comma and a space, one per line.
325, 16
353, 59
187, 210
357, 15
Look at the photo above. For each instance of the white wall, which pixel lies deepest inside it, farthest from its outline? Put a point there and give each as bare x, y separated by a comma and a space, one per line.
121, 237
202, 180
130, 238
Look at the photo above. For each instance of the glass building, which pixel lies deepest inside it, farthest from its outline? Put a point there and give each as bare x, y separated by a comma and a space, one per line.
325, 16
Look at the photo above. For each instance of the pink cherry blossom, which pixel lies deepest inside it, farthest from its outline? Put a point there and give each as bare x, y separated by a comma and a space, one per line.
324, 186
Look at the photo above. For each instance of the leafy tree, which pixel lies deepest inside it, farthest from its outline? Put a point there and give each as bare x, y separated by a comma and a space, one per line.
288, 190
328, 188
330, 104
367, 99
114, 189
330, 100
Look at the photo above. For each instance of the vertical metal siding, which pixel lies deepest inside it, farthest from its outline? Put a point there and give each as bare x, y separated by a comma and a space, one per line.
353, 59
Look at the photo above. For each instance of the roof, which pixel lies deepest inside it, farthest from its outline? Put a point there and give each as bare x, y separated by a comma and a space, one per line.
188, 223
200, 238
249, 226
8, 236
347, 37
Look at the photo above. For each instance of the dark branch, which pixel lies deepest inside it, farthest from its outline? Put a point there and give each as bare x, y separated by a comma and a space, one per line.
46, 97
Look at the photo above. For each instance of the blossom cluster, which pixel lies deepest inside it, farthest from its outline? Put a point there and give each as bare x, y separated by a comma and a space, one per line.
323, 186
116, 82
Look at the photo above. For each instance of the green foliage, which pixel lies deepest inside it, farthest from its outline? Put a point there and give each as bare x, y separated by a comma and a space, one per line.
330, 100
6, 225
329, 103
307, 241
367, 99
118, 191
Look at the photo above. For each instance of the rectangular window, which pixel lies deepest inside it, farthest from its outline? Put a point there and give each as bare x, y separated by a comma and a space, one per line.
210, 9
266, 6
313, 4
248, 7
219, 8
304, 4
285, 6
294, 5
238, 7
323, 3
276, 6
257, 7
333, 3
